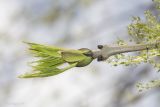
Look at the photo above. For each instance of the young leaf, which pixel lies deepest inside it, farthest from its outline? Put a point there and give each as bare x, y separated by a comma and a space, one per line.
50, 59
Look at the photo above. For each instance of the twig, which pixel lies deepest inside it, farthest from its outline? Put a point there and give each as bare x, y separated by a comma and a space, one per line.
106, 51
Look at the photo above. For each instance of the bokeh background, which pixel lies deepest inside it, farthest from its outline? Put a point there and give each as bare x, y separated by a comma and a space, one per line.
71, 24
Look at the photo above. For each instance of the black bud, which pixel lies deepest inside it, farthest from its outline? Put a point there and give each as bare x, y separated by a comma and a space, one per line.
100, 58
100, 46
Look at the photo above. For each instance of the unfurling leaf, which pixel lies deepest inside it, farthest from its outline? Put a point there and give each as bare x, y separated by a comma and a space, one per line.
51, 58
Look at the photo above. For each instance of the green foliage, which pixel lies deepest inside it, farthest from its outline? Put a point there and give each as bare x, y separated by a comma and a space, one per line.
157, 3
51, 60
151, 84
142, 32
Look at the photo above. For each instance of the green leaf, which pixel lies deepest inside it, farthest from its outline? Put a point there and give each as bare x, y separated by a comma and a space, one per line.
44, 51
72, 56
47, 72
148, 85
51, 58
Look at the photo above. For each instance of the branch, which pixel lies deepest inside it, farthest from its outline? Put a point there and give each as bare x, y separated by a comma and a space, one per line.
51, 59
106, 51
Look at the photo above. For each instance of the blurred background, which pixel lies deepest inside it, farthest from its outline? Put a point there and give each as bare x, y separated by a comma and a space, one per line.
71, 24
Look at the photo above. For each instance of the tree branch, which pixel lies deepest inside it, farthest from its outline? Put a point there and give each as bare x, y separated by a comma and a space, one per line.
106, 51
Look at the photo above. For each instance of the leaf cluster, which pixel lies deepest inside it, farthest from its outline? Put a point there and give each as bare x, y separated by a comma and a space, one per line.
54, 60
142, 32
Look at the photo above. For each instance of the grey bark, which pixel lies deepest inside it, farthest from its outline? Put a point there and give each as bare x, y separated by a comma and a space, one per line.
106, 51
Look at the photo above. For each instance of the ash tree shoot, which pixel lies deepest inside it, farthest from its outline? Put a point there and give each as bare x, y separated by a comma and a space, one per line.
144, 33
